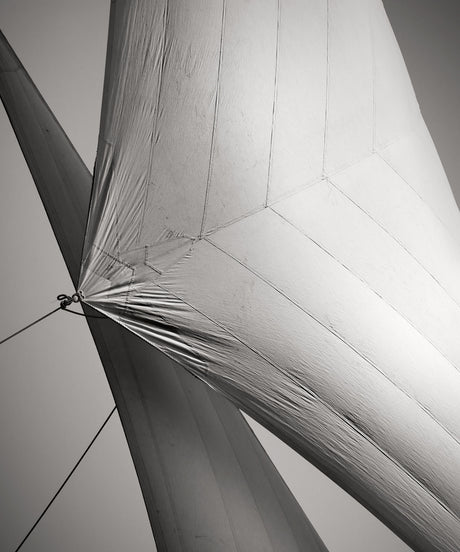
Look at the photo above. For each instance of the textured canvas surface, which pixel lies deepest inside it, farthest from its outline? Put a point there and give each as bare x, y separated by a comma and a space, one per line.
206, 480
269, 210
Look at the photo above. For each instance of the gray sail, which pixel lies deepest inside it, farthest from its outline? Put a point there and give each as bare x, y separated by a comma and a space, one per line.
207, 483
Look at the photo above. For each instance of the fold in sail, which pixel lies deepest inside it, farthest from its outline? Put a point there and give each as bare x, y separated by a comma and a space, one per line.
270, 212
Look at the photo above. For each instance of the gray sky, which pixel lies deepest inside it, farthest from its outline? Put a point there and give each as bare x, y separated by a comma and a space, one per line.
53, 393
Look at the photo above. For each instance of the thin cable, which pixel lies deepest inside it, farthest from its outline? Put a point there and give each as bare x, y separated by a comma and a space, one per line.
85, 315
56, 494
29, 325
46, 316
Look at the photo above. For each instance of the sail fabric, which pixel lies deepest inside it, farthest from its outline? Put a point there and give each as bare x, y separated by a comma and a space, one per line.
186, 440
53, 162
269, 211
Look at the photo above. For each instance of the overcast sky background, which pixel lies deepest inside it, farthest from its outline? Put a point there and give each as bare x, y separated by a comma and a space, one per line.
53, 392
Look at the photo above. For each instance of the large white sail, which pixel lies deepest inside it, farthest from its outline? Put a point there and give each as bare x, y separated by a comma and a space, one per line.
269, 210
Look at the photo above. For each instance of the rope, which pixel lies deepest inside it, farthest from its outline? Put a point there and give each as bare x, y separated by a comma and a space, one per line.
72, 471
85, 315
29, 325
65, 301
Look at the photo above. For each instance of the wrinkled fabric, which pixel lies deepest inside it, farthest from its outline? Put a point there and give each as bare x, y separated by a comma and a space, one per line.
269, 210
207, 483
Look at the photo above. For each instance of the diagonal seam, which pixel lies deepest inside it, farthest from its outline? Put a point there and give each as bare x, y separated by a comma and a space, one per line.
275, 99
214, 124
155, 121
326, 105
338, 336
374, 79
380, 154
394, 238
367, 285
326, 405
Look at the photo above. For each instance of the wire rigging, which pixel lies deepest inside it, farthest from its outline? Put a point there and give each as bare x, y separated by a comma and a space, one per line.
72, 471
65, 301
85, 315
29, 325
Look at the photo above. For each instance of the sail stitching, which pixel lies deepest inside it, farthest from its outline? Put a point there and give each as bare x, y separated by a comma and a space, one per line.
374, 80
368, 286
275, 98
155, 121
128, 31
326, 106
429, 206
328, 406
338, 336
342, 168
303, 187
214, 124
394, 238
311, 184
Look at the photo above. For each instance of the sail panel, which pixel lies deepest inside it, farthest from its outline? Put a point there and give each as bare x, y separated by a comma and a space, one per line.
183, 122
240, 151
425, 175
50, 156
309, 269
325, 215
390, 201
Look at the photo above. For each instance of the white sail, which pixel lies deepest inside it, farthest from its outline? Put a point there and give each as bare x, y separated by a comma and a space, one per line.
186, 441
269, 210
